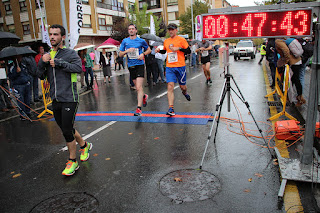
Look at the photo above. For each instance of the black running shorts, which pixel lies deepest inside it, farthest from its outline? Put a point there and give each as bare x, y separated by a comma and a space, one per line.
136, 71
205, 60
64, 113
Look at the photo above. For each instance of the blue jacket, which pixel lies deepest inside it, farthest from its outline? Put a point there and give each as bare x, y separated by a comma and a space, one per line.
18, 78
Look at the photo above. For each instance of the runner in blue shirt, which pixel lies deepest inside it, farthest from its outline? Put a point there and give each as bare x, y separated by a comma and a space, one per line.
136, 48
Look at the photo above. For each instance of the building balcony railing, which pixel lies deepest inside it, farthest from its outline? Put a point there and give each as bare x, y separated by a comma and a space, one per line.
110, 7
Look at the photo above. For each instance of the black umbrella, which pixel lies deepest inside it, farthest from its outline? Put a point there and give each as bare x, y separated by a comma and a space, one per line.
194, 41
8, 52
151, 37
8, 38
156, 43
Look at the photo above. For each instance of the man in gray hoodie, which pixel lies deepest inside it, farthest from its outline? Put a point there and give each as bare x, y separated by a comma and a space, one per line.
61, 66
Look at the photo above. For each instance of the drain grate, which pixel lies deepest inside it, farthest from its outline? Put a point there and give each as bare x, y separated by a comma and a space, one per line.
277, 103
68, 202
189, 185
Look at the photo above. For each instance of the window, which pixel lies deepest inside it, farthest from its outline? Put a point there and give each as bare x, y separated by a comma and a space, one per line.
105, 22
85, 1
7, 7
26, 28
12, 28
172, 2
40, 2
23, 6
172, 16
86, 21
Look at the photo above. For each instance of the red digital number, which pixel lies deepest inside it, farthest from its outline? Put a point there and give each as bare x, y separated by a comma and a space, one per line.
302, 23
287, 23
209, 27
247, 25
222, 26
264, 17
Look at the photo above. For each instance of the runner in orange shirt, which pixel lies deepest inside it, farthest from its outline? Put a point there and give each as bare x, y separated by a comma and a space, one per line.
176, 47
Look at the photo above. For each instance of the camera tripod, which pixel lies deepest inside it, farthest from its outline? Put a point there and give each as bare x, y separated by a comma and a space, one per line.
226, 92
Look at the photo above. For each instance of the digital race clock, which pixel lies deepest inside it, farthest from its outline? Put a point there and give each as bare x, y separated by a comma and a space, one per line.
259, 24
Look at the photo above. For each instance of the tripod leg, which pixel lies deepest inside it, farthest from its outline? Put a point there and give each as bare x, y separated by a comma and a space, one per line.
218, 110
248, 107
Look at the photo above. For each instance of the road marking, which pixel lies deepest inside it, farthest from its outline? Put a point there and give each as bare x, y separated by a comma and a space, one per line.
92, 133
162, 94
291, 199
195, 76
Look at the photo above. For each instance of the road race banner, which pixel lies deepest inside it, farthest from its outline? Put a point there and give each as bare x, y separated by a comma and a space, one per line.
75, 21
198, 28
152, 27
44, 32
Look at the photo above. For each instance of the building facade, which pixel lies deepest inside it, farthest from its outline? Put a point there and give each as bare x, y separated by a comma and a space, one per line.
23, 17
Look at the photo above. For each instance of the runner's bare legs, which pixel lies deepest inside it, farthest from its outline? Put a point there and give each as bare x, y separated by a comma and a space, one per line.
138, 82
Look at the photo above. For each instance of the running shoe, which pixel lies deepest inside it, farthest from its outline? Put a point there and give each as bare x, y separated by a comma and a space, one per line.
188, 97
71, 168
171, 111
84, 153
145, 100
210, 81
138, 112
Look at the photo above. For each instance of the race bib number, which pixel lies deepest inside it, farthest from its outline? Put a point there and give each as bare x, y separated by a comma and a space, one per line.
172, 57
134, 54
205, 53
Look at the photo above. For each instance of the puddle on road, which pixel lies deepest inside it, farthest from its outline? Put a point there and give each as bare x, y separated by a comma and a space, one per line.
189, 185
68, 202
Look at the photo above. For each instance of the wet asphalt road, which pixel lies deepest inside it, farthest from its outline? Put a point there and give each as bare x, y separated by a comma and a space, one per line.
129, 159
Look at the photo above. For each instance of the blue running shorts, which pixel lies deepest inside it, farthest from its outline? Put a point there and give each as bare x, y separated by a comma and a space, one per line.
175, 74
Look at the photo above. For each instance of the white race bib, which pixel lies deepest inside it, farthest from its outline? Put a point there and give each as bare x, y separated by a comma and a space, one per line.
134, 54
205, 53
172, 57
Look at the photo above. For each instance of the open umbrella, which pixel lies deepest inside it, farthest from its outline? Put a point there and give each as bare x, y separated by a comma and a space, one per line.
156, 43
110, 41
8, 52
107, 47
194, 41
83, 46
151, 37
7, 38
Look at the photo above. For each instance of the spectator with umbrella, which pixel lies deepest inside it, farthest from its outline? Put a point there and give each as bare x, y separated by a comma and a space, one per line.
20, 81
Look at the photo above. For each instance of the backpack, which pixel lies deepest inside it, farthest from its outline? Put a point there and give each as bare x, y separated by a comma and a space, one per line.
307, 50
294, 47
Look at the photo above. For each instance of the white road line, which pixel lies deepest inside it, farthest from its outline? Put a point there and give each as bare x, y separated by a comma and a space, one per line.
92, 133
162, 94
195, 76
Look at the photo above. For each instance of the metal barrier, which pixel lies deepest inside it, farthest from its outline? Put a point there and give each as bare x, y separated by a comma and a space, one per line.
45, 86
282, 94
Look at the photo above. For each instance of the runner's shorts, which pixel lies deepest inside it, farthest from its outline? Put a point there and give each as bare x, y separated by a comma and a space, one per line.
136, 71
175, 74
205, 60
64, 113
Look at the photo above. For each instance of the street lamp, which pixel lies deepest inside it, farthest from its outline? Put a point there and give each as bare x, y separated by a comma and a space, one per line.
192, 19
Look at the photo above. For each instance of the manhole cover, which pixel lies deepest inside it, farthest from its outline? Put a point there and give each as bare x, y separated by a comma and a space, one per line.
68, 202
189, 185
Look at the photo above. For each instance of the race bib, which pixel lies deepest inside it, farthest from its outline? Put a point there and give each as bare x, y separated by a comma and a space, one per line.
134, 54
172, 57
205, 53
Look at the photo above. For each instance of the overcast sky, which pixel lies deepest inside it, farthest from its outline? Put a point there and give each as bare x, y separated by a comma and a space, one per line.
243, 3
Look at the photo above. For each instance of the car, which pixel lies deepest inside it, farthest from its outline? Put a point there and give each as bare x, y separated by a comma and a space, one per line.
244, 48
231, 48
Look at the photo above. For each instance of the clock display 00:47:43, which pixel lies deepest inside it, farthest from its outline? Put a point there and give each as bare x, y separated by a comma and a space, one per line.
261, 24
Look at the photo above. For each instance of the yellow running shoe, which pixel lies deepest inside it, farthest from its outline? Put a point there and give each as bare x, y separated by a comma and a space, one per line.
84, 153
71, 168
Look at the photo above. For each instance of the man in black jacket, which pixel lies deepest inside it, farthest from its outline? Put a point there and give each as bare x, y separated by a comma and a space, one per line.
61, 67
